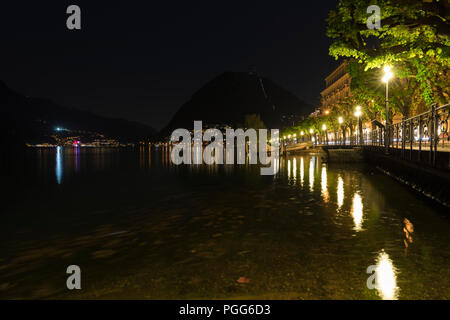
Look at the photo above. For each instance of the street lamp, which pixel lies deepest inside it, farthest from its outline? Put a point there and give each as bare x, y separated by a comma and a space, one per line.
387, 76
358, 114
341, 121
324, 128
311, 131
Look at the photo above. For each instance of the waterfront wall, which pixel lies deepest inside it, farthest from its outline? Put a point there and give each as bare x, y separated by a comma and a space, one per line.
345, 155
429, 181
412, 169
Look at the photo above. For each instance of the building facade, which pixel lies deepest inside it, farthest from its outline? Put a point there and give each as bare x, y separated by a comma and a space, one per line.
337, 87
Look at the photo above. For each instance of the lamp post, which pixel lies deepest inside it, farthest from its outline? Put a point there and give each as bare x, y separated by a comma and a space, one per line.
358, 132
311, 131
324, 128
341, 121
387, 76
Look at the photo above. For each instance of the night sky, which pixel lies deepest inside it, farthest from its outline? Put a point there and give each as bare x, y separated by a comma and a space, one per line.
141, 60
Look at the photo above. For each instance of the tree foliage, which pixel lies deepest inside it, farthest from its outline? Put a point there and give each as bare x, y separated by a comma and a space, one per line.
253, 121
413, 37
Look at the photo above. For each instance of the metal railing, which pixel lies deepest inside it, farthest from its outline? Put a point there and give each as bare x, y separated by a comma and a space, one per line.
409, 138
420, 138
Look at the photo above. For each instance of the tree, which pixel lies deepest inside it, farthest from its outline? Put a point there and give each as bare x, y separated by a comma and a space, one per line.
366, 89
346, 108
413, 34
405, 95
253, 121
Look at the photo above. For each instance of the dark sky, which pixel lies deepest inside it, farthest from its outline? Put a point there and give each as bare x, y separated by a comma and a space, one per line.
141, 60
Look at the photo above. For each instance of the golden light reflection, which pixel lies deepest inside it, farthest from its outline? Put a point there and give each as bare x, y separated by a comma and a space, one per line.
357, 212
340, 192
311, 173
302, 171
229, 154
325, 194
408, 229
386, 277
289, 169
163, 162
294, 169
149, 156
141, 157
276, 167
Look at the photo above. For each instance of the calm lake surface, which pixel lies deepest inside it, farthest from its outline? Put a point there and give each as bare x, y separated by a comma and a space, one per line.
140, 227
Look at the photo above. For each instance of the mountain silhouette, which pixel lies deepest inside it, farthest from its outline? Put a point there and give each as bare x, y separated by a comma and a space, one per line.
226, 100
33, 120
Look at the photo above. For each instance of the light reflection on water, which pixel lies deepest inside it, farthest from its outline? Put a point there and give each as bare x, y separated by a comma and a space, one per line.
289, 170
315, 216
357, 211
276, 168
76, 156
59, 165
295, 170
302, 171
340, 192
386, 277
324, 182
408, 229
312, 163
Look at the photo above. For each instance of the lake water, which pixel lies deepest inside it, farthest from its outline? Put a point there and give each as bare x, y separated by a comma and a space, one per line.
140, 227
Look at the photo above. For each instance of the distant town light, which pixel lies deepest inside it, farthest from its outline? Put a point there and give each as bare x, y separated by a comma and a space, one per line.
324, 127
302, 133
341, 120
289, 136
311, 131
